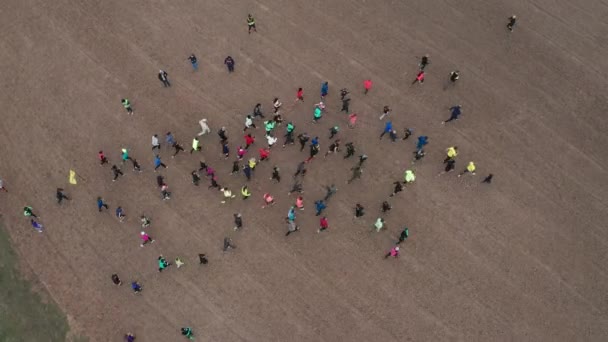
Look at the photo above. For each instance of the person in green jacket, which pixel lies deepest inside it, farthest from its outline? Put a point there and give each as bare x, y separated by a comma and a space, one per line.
127, 105
162, 263
251, 24
29, 212
188, 333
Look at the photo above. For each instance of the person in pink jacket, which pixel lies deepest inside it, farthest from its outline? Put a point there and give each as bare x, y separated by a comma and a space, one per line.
394, 252
145, 238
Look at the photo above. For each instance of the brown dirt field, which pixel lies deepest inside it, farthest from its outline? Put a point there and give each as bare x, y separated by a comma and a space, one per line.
522, 259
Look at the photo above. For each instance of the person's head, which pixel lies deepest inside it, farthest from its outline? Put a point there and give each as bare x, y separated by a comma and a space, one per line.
168, 133
276, 99
156, 135
299, 89
397, 248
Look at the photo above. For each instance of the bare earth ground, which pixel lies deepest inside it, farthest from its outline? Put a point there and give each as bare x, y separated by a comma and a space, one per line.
522, 259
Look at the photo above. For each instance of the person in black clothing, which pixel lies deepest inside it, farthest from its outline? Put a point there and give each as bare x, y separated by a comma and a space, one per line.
116, 172
386, 207
301, 169
228, 244
345, 104
359, 210
406, 133
235, 167
398, 188
488, 179
195, 178
275, 174
257, 111
136, 166
303, 138
202, 258
229, 63
333, 148
449, 165
350, 150
222, 134
214, 183
424, 61
238, 221
512, 19
343, 93
418, 155
454, 76
177, 148
116, 280
162, 76
362, 159
61, 196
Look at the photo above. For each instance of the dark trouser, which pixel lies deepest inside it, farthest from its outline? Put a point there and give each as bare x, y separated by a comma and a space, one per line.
322, 229
101, 206
302, 145
289, 139
104, 161
166, 83
333, 134
383, 133
159, 165
117, 173
277, 177
61, 197
230, 67
155, 146
387, 255
177, 149
344, 108
453, 117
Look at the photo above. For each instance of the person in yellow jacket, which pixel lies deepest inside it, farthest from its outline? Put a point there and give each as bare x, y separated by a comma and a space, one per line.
409, 177
196, 145
451, 152
470, 168
245, 192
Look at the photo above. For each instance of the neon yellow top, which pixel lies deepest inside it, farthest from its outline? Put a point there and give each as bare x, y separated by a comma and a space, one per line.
410, 176
471, 167
452, 152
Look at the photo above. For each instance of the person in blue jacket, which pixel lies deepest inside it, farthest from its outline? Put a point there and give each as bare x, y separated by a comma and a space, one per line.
422, 140
320, 206
324, 89
388, 127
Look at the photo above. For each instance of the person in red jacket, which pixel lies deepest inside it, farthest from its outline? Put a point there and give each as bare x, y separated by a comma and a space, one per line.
324, 224
300, 95
249, 140
367, 84
102, 158
264, 154
419, 78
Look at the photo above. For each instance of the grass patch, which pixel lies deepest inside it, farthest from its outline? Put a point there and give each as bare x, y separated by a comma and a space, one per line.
24, 315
